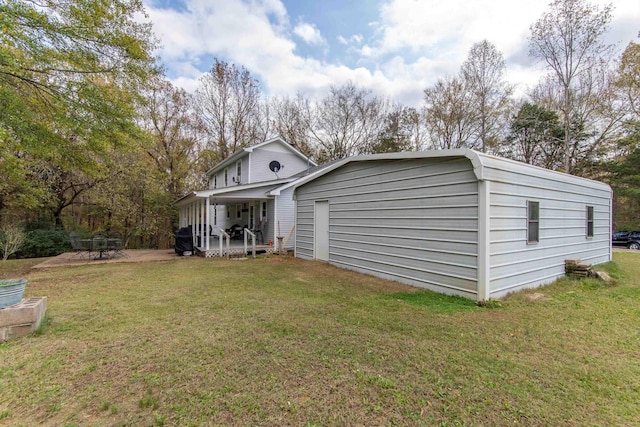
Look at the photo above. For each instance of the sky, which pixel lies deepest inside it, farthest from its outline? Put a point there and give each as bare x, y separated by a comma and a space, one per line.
396, 48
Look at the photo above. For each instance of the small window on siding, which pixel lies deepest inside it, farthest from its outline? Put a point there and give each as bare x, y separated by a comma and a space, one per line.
533, 222
215, 181
264, 210
238, 172
589, 221
228, 207
238, 211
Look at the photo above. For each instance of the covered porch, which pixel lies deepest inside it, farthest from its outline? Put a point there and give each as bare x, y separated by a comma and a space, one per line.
232, 220
224, 248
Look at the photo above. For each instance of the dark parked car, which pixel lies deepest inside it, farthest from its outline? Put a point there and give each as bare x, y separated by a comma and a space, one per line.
627, 239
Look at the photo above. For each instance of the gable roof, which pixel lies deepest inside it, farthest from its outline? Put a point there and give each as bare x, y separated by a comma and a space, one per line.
245, 152
481, 162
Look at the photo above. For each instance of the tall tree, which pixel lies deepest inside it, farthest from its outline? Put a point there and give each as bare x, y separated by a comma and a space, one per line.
69, 75
450, 117
483, 74
229, 101
175, 133
345, 121
628, 78
400, 131
535, 136
568, 37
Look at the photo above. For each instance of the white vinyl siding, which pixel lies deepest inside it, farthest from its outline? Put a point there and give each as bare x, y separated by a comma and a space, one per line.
414, 221
286, 216
514, 264
261, 157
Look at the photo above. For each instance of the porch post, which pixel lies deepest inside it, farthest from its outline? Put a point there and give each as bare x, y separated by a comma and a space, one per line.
207, 224
193, 221
275, 224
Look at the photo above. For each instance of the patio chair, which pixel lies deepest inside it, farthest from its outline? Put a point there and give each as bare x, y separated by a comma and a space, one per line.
77, 245
116, 245
235, 232
100, 244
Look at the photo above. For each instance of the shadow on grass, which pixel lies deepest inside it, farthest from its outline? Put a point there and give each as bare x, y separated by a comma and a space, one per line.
436, 302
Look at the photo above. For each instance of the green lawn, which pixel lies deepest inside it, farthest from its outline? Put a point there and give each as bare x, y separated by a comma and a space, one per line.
279, 341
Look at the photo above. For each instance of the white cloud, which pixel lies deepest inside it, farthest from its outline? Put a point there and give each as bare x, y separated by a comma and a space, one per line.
414, 43
309, 33
354, 39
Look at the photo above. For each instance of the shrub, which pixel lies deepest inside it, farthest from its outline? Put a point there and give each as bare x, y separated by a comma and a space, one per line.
45, 242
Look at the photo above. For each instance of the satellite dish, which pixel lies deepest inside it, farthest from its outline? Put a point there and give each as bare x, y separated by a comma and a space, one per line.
274, 166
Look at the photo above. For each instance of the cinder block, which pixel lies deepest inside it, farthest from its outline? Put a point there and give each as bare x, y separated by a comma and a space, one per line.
23, 318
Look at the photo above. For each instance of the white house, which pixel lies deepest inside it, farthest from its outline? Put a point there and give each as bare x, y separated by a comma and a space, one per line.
454, 221
249, 190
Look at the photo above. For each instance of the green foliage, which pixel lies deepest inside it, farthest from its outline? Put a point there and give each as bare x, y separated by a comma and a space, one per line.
397, 133
625, 180
434, 301
535, 136
44, 243
69, 75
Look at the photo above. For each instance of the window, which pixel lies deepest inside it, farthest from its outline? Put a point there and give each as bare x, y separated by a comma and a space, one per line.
238, 211
226, 177
251, 219
264, 210
533, 222
215, 181
228, 208
215, 215
589, 221
238, 172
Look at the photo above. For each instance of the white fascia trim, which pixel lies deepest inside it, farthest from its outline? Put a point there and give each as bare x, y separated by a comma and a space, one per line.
284, 144
226, 190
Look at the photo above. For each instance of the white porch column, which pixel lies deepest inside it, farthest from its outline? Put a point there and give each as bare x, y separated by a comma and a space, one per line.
275, 223
193, 221
207, 223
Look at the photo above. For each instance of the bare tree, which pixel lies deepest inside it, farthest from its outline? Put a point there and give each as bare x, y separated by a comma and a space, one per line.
288, 116
229, 101
450, 117
568, 38
12, 238
597, 116
483, 74
346, 121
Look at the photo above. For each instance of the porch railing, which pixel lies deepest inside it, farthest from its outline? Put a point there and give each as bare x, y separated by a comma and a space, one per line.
225, 236
247, 233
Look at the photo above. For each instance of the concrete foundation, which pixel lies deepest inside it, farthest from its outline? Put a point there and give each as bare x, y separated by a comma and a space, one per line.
23, 318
